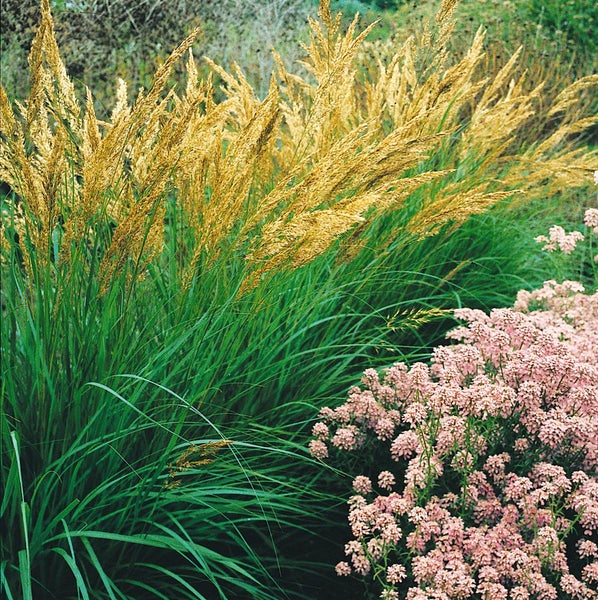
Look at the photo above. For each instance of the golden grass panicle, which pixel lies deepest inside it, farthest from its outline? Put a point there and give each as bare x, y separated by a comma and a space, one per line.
328, 105
231, 174
571, 94
454, 206
498, 115
38, 178
278, 181
445, 22
36, 153
16, 170
557, 163
414, 318
49, 80
242, 98
361, 168
196, 455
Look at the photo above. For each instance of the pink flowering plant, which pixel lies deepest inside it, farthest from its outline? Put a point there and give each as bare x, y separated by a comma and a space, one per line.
485, 482
564, 243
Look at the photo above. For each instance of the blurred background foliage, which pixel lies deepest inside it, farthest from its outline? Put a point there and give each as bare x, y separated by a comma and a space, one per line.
101, 40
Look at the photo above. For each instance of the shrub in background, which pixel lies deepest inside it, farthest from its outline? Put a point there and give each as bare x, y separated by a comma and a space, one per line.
101, 40
576, 20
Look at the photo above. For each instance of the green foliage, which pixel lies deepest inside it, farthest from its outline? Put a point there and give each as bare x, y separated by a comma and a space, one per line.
576, 19
349, 7
101, 496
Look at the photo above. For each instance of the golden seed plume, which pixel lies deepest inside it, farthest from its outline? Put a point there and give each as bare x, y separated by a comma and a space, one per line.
275, 182
414, 318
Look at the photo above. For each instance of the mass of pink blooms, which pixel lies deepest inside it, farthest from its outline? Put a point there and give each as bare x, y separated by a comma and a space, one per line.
485, 484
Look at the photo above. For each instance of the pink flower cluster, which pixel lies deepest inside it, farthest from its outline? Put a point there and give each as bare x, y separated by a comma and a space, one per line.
591, 219
559, 239
490, 489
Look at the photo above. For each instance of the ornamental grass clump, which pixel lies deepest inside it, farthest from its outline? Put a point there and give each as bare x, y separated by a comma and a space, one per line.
483, 482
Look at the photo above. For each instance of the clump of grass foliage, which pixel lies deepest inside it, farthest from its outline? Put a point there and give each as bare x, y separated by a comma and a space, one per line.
183, 283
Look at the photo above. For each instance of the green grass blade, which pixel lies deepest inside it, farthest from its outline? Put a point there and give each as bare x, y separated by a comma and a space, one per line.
4, 585
93, 558
72, 564
25, 574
